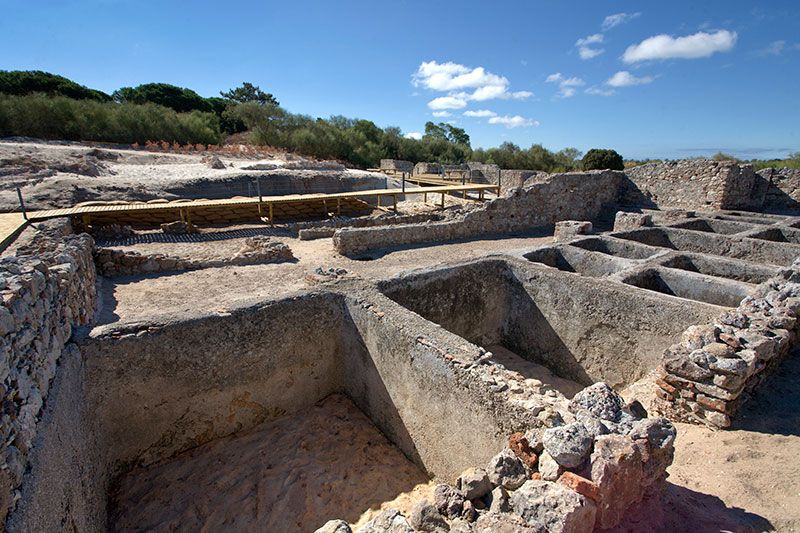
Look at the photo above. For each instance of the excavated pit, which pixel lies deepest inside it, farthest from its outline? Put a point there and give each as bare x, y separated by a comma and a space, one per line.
285, 414
567, 326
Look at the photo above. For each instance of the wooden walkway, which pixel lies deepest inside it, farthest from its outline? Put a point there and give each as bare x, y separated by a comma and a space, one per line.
267, 208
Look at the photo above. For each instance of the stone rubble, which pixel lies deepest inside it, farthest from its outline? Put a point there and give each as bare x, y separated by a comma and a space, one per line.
589, 485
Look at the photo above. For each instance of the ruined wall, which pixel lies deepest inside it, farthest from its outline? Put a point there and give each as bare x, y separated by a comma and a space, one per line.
707, 185
781, 190
48, 287
690, 184
578, 195
256, 250
397, 165
509, 178
706, 377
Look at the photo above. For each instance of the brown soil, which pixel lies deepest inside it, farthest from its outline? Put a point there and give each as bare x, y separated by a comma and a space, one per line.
291, 474
743, 479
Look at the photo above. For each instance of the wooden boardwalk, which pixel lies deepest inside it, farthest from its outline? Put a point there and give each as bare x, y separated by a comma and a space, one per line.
267, 208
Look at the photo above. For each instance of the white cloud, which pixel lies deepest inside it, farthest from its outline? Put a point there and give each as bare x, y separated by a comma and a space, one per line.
521, 95
588, 53
452, 76
480, 113
623, 78
447, 102
462, 84
514, 122
597, 38
566, 86
584, 45
616, 19
700, 44
441, 113
413, 135
599, 91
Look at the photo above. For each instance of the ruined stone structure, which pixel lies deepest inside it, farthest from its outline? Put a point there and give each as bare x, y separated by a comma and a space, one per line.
539, 206
497, 377
708, 185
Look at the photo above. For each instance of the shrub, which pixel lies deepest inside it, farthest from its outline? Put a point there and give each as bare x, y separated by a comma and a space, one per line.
46, 117
24, 82
600, 159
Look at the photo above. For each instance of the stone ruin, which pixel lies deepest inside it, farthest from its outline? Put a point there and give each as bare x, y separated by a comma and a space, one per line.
512, 405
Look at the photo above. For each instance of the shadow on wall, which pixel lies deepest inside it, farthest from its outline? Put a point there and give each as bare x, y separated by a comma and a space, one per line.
775, 182
630, 195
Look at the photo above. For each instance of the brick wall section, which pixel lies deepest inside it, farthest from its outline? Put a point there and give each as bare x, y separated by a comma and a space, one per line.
706, 377
47, 289
570, 196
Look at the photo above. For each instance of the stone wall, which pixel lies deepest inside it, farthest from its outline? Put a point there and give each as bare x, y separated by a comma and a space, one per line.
570, 196
690, 184
255, 251
509, 178
707, 376
320, 229
48, 288
709, 185
781, 188
397, 165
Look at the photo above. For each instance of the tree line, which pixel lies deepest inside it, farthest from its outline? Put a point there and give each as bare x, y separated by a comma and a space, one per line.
43, 105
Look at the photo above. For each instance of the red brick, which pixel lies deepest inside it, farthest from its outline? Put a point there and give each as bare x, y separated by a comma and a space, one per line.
581, 485
666, 386
712, 403
522, 448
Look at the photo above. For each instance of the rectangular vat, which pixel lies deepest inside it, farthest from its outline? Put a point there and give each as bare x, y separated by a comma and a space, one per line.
691, 286
579, 329
754, 250
721, 267
574, 259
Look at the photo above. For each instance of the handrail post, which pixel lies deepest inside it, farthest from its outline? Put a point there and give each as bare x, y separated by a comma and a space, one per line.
22, 204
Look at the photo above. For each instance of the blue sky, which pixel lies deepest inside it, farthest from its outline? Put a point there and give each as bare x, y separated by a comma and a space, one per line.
661, 79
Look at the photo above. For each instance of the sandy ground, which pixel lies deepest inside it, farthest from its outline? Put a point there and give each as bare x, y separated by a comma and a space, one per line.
291, 474
745, 479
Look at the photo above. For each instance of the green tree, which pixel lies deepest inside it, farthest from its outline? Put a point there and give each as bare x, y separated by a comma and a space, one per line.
178, 98
249, 93
602, 159
24, 82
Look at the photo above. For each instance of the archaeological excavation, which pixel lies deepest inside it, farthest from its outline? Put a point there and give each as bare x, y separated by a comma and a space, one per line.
403, 349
